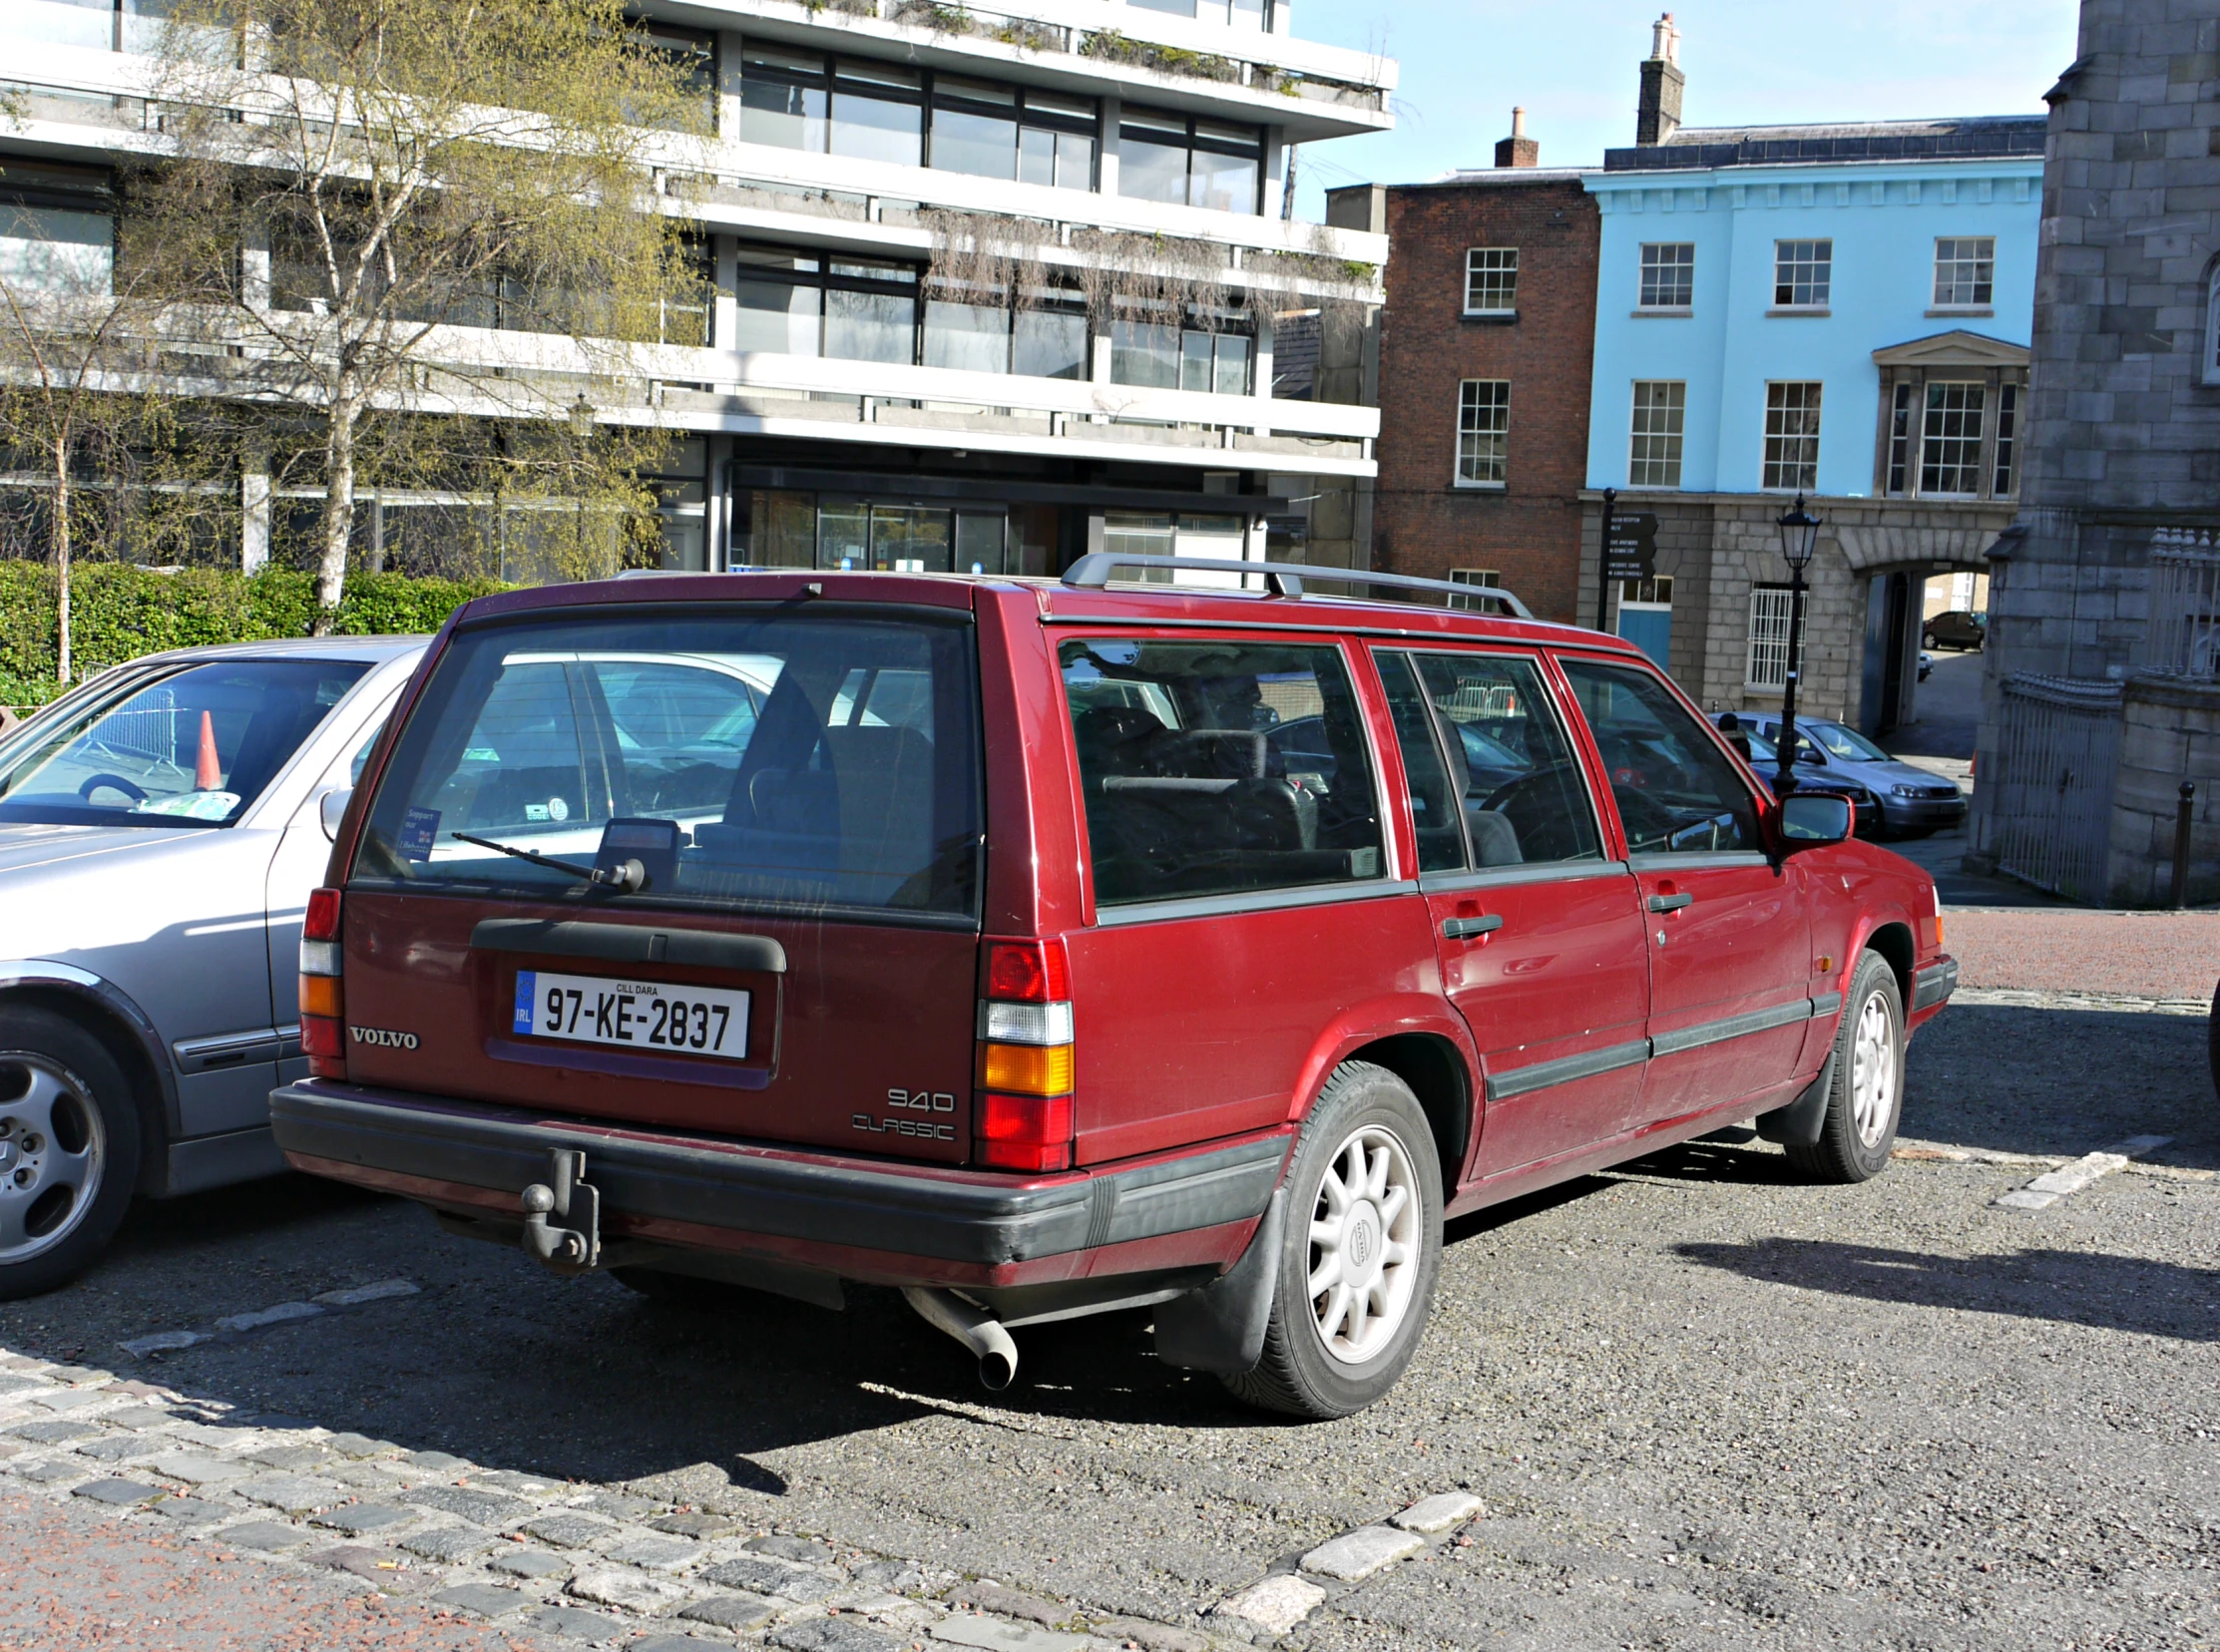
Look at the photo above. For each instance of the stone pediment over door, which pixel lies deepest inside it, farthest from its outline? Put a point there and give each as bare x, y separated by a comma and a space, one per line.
1956, 348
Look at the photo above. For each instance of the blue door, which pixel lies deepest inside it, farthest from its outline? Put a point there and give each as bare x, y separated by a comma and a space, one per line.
1649, 625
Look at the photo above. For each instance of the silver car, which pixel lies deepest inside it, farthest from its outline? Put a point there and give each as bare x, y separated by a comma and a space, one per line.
160, 830
1913, 801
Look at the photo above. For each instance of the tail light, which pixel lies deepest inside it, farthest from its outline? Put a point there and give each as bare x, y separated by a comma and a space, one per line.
1026, 1069
323, 1008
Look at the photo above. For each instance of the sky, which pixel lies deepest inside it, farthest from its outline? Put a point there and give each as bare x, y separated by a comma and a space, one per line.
1574, 63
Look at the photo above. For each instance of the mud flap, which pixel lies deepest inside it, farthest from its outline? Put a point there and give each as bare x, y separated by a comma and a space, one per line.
1221, 1328
1799, 1124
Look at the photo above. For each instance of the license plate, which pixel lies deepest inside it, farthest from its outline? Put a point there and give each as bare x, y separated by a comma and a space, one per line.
633, 1014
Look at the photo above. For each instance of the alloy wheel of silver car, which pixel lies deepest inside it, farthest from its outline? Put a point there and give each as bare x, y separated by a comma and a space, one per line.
1365, 1230
52, 1155
1873, 1071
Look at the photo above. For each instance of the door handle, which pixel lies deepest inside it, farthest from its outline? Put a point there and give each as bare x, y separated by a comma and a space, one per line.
1670, 902
1468, 928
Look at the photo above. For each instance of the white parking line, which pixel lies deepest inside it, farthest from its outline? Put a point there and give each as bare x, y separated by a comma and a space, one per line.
2047, 1190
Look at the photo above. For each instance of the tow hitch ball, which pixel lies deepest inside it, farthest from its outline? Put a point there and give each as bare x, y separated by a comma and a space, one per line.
562, 1216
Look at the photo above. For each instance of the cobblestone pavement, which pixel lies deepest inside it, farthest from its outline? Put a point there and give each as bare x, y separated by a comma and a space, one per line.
1694, 1402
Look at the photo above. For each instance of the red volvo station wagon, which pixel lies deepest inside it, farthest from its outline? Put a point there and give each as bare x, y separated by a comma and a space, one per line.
1048, 948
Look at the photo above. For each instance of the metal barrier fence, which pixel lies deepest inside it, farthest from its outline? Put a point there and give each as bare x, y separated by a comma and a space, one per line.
2183, 639
2058, 755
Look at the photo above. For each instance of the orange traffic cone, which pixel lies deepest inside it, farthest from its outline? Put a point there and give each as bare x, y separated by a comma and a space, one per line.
208, 775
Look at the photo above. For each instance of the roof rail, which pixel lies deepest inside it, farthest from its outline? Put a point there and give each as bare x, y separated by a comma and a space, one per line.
1092, 572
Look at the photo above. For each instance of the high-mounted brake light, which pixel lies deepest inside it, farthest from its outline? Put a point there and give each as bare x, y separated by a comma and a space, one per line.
1027, 1066
324, 1006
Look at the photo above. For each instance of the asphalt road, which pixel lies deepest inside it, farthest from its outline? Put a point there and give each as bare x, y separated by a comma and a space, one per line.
1701, 1405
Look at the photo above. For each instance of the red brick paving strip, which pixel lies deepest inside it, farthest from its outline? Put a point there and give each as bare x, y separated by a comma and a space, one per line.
72, 1579
2166, 955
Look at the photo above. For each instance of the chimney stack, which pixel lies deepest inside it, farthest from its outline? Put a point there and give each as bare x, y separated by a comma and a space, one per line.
1517, 150
1658, 118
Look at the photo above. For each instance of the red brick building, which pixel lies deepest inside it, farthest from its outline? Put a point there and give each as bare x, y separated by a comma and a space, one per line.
1486, 354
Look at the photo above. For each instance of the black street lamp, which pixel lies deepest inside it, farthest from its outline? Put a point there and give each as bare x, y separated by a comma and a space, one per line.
1799, 538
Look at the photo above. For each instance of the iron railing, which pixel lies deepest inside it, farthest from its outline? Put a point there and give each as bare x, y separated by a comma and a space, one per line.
2057, 754
2183, 636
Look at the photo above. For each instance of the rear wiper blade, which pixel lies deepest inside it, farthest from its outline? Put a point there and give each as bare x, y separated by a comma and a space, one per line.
625, 877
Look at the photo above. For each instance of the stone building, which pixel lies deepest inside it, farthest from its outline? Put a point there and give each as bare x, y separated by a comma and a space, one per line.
1840, 311
1485, 355
2099, 691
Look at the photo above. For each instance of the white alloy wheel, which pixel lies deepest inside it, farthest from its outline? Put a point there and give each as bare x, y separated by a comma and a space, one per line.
1365, 1228
1873, 1071
52, 1155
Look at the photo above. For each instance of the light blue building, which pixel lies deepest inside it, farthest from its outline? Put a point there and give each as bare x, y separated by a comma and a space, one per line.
1843, 311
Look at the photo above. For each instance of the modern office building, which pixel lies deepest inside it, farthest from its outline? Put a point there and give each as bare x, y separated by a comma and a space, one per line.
1839, 311
865, 394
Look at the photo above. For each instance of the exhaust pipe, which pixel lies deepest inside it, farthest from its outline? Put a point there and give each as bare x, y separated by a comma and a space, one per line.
975, 1328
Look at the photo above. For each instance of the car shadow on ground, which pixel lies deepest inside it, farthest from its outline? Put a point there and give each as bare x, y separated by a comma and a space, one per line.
2101, 1290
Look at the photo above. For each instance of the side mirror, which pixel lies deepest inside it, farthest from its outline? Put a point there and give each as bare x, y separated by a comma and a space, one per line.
330, 807
1812, 756
1809, 819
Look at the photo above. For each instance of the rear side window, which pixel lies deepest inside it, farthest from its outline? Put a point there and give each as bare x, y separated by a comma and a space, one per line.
1216, 767
746, 759
1677, 792
1492, 778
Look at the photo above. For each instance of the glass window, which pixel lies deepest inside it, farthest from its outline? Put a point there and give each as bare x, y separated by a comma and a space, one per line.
1899, 437
818, 762
1792, 437
1516, 795
1224, 183
1215, 767
1669, 275
1653, 458
1803, 271
974, 128
1063, 159
1964, 272
870, 326
1231, 374
1177, 8
1490, 280
1145, 353
1050, 344
974, 338
877, 114
1677, 792
910, 538
1951, 439
1153, 161
189, 747
2007, 431
784, 100
57, 250
1483, 431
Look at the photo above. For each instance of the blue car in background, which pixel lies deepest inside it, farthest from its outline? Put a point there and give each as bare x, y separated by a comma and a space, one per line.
1908, 802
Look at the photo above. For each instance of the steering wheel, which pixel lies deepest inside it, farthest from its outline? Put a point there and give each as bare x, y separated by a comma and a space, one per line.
111, 782
1544, 833
1646, 821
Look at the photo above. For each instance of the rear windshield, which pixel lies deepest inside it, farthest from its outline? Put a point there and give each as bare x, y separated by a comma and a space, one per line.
744, 759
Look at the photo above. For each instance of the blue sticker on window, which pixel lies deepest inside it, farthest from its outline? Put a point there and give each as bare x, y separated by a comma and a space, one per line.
528, 991
418, 828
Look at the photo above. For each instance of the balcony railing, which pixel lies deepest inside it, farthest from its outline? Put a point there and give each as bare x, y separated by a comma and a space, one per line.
2182, 639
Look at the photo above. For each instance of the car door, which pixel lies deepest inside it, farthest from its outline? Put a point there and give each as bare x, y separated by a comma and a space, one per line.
1729, 936
1539, 935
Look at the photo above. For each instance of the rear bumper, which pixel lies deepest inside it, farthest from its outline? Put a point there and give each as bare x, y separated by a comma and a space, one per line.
862, 1219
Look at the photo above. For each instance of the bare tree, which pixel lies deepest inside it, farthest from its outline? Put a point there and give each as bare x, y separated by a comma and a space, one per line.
368, 202
68, 341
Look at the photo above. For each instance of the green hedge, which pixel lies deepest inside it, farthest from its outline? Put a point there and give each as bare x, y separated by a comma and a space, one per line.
119, 613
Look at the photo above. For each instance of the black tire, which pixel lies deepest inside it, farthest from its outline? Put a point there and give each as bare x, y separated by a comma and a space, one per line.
2214, 1041
1844, 1154
1297, 1375
65, 1103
